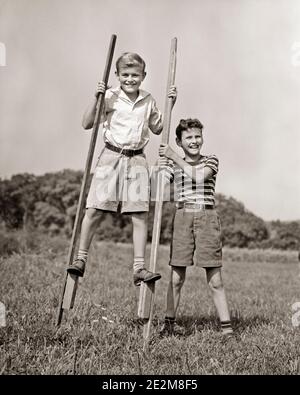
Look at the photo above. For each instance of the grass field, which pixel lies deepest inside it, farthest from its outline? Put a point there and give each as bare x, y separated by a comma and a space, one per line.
261, 289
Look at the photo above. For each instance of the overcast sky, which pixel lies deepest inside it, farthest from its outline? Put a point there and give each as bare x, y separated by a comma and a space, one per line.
238, 71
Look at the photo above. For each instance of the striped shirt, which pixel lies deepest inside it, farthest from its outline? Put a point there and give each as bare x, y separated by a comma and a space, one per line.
195, 191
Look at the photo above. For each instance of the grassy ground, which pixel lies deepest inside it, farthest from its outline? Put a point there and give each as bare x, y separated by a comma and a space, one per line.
102, 335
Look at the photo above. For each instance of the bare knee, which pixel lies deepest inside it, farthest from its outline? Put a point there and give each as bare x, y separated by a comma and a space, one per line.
178, 278
178, 283
93, 215
139, 218
216, 283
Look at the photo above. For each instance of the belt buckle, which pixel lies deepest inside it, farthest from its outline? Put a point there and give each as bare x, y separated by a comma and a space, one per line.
193, 207
129, 152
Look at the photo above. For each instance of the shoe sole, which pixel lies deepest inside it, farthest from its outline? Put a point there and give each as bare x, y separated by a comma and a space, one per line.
151, 279
76, 272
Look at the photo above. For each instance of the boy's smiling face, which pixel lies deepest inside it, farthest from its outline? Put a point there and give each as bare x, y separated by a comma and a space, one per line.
130, 79
191, 142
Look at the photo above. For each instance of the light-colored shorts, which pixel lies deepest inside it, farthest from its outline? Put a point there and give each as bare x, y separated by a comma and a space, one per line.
196, 238
120, 182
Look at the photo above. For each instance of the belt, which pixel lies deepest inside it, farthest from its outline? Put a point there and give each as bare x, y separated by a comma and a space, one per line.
195, 206
126, 152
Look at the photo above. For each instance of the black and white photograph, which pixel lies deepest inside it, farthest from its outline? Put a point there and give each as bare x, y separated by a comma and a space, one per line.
149, 190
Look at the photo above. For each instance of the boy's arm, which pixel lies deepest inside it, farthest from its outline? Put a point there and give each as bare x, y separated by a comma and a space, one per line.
90, 113
198, 175
156, 119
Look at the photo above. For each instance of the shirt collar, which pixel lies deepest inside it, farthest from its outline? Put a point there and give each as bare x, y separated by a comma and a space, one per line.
119, 92
195, 163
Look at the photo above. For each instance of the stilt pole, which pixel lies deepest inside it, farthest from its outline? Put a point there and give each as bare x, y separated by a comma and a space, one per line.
147, 291
71, 281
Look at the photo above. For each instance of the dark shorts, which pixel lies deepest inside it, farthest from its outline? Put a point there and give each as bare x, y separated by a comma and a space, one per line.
196, 238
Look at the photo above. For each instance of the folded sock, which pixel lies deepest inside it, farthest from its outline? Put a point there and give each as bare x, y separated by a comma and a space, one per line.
83, 255
138, 263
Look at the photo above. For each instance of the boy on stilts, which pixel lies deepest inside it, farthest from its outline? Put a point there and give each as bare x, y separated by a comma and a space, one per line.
121, 178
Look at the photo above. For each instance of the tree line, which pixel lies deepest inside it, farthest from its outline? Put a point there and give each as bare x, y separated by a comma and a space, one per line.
48, 203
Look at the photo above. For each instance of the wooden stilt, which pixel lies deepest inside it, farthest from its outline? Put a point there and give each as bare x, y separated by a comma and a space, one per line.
70, 283
147, 291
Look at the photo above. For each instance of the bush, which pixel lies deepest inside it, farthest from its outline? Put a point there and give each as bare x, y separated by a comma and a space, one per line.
9, 244
30, 241
48, 204
245, 255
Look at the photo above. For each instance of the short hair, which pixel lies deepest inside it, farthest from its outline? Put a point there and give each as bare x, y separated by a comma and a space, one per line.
185, 124
130, 59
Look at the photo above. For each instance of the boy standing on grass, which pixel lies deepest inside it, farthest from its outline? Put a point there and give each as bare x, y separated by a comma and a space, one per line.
196, 234
121, 178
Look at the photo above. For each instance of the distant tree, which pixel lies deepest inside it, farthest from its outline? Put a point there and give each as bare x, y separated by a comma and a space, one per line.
109, 228
240, 227
17, 198
49, 202
48, 218
61, 190
11, 212
285, 235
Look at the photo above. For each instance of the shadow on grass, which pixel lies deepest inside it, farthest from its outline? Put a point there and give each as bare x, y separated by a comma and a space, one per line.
192, 324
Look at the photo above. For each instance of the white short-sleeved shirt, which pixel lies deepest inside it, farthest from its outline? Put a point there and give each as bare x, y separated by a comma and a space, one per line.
126, 123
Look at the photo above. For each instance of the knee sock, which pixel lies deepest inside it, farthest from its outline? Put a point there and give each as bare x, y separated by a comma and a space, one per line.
138, 263
226, 327
82, 255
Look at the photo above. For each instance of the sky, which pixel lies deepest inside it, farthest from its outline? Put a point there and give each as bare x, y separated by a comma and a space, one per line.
238, 71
